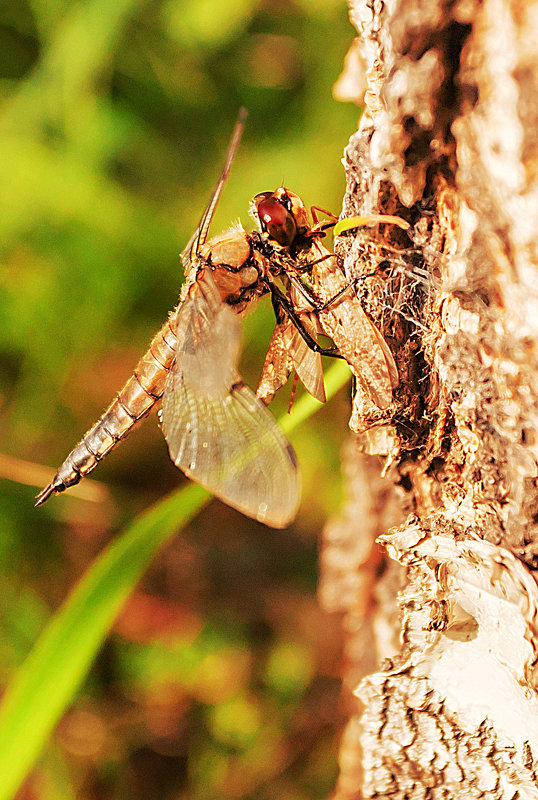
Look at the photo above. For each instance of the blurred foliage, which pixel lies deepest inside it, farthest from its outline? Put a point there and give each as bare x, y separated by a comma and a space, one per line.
220, 677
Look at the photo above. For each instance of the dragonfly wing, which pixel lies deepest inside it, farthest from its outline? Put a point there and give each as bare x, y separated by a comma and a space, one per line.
199, 236
217, 430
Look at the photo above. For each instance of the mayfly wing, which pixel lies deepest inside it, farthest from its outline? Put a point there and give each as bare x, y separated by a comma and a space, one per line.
277, 366
387, 353
217, 430
352, 331
287, 351
368, 355
307, 362
200, 235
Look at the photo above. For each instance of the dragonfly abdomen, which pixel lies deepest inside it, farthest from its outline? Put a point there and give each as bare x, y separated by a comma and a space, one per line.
135, 401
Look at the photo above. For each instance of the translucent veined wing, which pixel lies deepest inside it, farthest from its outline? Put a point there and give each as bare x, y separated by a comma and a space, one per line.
277, 366
306, 362
353, 332
199, 237
217, 430
288, 350
363, 347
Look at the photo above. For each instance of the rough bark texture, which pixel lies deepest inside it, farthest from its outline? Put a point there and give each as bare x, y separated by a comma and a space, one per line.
444, 605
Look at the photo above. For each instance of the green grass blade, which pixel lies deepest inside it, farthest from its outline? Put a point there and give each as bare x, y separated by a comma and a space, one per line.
60, 660
350, 223
53, 671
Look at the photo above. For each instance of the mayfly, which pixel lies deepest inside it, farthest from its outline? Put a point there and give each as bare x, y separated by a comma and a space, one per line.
217, 430
322, 298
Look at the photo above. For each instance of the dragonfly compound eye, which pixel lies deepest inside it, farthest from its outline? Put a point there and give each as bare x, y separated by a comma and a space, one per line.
295, 206
275, 219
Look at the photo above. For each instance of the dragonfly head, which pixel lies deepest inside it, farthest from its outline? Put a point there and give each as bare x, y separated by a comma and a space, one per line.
282, 215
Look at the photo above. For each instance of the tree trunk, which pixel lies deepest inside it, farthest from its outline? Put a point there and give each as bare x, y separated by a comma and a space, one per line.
441, 613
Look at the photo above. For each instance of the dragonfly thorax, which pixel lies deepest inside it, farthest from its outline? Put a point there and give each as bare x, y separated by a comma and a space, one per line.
234, 266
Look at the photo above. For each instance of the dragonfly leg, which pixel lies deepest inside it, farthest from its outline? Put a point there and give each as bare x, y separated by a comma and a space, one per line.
317, 305
314, 211
281, 301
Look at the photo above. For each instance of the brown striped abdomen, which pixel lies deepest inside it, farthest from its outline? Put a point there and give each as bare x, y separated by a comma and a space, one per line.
135, 400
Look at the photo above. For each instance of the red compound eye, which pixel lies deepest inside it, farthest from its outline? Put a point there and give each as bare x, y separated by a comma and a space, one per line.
275, 219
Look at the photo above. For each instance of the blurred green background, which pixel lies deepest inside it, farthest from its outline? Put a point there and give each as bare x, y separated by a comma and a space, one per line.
220, 680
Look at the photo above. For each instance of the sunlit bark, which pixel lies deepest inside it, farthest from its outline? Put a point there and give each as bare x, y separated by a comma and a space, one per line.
440, 614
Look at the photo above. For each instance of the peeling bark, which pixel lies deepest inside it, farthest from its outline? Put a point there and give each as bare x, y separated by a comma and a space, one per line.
444, 605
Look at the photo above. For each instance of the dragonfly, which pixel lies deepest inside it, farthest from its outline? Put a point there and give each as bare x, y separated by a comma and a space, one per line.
219, 432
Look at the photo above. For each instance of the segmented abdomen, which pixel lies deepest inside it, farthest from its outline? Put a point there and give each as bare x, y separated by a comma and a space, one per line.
135, 400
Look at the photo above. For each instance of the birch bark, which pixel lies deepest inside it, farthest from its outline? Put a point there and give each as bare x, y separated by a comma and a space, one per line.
441, 612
